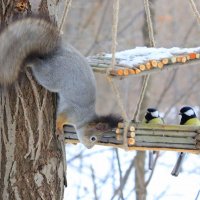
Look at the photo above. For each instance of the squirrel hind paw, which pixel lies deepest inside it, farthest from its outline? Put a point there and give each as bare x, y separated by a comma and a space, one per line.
60, 122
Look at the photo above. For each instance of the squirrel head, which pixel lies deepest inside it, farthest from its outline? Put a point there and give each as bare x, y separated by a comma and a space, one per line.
91, 133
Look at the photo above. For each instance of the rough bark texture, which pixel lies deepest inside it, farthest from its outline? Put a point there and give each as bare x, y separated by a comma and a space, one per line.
31, 164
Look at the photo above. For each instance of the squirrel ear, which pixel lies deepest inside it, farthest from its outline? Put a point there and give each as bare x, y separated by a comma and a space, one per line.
102, 126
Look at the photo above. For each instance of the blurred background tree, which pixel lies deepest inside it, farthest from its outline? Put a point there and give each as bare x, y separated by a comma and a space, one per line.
88, 28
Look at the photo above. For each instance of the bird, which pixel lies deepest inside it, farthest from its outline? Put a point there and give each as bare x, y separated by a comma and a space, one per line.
152, 116
188, 117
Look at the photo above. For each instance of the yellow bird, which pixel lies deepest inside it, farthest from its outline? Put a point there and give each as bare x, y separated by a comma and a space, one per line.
152, 117
188, 117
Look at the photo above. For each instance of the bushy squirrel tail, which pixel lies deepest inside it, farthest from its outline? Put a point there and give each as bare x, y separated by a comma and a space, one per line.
21, 39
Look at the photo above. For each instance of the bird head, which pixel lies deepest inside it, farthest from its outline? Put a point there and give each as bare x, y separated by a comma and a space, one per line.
91, 133
151, 114
187, 113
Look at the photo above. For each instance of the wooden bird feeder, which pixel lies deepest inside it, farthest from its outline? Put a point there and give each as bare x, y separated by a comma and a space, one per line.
148, 137
142, 61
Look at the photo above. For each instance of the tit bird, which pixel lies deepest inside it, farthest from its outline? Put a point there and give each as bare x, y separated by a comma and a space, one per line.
152, 117
188, 117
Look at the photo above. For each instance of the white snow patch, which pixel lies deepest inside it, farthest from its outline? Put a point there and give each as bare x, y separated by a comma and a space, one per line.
140, 55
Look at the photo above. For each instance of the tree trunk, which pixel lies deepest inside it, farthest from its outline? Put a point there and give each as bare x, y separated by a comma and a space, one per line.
31, 163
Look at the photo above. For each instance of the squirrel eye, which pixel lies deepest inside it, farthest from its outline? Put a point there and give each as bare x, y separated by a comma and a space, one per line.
93, 138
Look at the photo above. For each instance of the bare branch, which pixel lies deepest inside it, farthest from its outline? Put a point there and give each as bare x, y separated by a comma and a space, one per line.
124, 180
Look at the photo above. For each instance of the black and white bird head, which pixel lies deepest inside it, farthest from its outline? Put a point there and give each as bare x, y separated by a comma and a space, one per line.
151, 114
187, 113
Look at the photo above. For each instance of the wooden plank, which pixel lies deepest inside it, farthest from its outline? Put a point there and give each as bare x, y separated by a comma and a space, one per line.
166, 127
164, 145
157, 139
194, 151
166, 133
140, 148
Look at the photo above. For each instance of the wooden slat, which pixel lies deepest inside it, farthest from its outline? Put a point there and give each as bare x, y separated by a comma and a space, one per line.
140, 148
165, 145
159, 139
168, 133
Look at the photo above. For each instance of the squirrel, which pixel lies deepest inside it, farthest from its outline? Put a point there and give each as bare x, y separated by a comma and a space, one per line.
59, 68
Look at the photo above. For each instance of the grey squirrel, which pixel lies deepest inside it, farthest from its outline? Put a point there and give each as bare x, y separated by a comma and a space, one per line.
59, 68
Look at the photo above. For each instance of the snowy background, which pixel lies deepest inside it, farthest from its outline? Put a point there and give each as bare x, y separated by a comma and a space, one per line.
94, 174
100, 159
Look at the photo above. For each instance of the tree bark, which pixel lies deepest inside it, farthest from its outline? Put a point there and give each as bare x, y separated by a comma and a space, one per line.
31, 163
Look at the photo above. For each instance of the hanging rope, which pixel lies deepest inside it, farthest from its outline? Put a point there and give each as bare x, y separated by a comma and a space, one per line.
67, 6
152, 44
114, 30
119, 100
114, 45
123, 112
113, 86
149, 23
144, 85
196, 12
